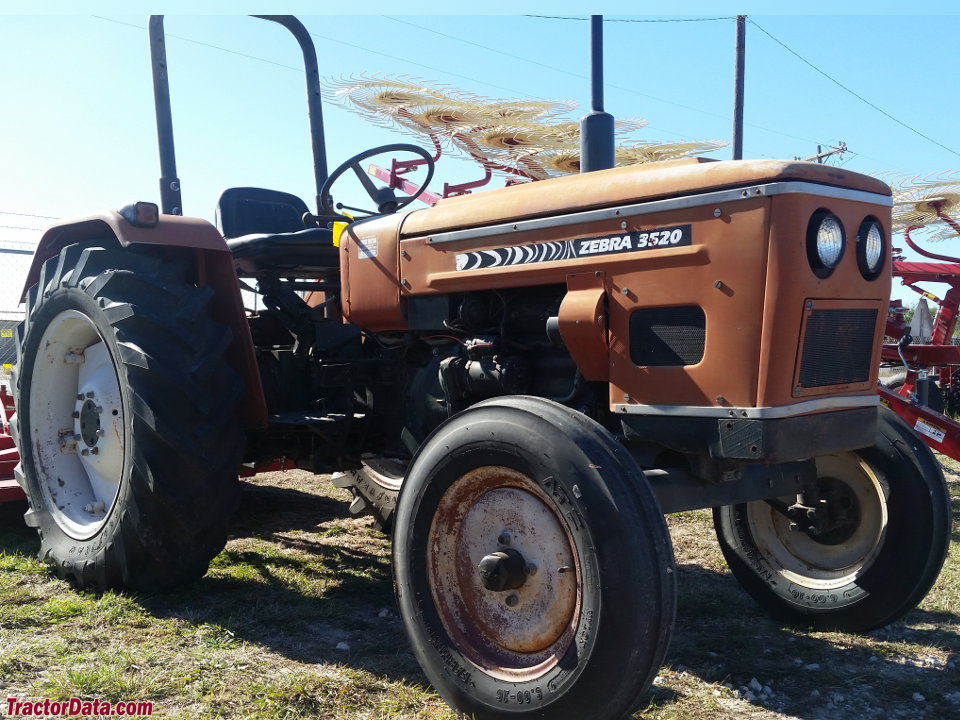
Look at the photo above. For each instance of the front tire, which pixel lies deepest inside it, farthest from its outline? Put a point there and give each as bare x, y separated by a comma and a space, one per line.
874, 565
533, 567
125, 420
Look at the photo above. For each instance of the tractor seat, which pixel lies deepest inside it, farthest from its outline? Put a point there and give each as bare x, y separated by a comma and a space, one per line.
305, 253
264, 230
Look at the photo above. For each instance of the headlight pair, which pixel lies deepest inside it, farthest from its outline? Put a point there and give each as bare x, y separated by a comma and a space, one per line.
826, 241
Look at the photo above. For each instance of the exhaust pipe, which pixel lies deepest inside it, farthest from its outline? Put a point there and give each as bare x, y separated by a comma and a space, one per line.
596, 129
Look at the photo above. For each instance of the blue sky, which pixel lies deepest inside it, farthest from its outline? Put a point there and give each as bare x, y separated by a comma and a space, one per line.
77, 132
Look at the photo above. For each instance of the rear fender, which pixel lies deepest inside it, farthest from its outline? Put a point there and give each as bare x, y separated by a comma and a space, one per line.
199, 243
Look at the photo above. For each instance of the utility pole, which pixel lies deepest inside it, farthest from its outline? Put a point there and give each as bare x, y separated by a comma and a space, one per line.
839, 149
738, 87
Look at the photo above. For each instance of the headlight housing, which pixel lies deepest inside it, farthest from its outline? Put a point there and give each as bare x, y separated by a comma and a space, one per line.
825, 242
871, 248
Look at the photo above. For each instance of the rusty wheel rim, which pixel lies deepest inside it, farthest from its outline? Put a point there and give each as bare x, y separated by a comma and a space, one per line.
522, 631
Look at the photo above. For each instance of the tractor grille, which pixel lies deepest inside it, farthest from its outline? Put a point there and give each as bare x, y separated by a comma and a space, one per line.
837, 347
667, 336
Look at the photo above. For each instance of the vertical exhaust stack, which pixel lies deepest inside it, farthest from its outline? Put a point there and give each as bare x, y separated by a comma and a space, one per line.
596, 129
738, 88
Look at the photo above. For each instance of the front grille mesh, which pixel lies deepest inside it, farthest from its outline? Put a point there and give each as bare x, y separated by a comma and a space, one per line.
837, 348
668, 336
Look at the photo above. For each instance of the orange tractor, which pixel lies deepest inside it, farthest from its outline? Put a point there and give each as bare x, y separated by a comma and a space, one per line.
519, 382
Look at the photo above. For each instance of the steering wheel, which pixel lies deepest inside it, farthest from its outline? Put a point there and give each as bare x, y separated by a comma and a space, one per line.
385, 199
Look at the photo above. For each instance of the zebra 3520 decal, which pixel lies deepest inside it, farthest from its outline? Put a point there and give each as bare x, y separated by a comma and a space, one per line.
666, 237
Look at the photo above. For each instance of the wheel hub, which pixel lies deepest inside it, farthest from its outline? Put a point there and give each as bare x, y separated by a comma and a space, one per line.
89, 416
829, 549
832, 517
503, 570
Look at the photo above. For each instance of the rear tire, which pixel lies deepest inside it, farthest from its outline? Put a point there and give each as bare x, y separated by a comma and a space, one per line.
375, 487
866, 573
586, 629
128, 439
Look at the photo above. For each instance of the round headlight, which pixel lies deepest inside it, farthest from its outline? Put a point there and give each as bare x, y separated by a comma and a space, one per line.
870, 248
825, 241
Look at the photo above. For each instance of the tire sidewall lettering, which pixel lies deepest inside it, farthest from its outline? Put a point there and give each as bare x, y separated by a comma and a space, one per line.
803, 596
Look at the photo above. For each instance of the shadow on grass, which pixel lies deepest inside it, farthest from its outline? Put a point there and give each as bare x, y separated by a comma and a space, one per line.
298, 591
300, 595
15, 536
722, 636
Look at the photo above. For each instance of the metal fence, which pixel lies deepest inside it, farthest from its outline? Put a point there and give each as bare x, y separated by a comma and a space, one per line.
14, 265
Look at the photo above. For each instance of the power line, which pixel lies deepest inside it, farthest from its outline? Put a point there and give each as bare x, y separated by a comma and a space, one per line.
17, 227
209, 45
844, 87
564, 72
483, 47
428, 67
467, 77
607, 84
523, 59
625, 20
321, 37
20, 214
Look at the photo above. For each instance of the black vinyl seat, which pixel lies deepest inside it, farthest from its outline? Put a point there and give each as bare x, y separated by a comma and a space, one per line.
265, 232
305, 253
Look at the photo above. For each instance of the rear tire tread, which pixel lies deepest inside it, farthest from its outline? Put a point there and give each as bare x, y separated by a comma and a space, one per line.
186, 442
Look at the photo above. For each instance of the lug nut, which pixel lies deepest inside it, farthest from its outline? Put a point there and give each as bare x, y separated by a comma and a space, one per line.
512, 600
505, 538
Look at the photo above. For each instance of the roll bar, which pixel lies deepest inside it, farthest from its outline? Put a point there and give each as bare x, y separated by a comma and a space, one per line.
170, 198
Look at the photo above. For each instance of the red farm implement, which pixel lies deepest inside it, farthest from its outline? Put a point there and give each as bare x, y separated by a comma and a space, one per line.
927, 393
9, 489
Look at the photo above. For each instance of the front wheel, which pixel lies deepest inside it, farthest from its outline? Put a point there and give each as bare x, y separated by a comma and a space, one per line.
883, 541
532, 565
125, 420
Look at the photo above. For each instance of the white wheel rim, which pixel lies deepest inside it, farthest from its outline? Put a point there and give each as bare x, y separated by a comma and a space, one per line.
800, 558
76, 424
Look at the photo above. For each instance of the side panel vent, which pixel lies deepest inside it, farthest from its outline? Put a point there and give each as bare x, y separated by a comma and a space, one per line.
668, 336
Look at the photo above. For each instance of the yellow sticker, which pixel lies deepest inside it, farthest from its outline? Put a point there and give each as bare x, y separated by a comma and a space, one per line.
338, 228
8, 332
930, 430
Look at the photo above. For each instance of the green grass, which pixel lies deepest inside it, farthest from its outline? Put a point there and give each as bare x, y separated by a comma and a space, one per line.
258, 636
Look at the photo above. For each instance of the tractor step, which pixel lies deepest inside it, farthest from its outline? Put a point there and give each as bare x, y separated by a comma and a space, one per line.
302, 419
